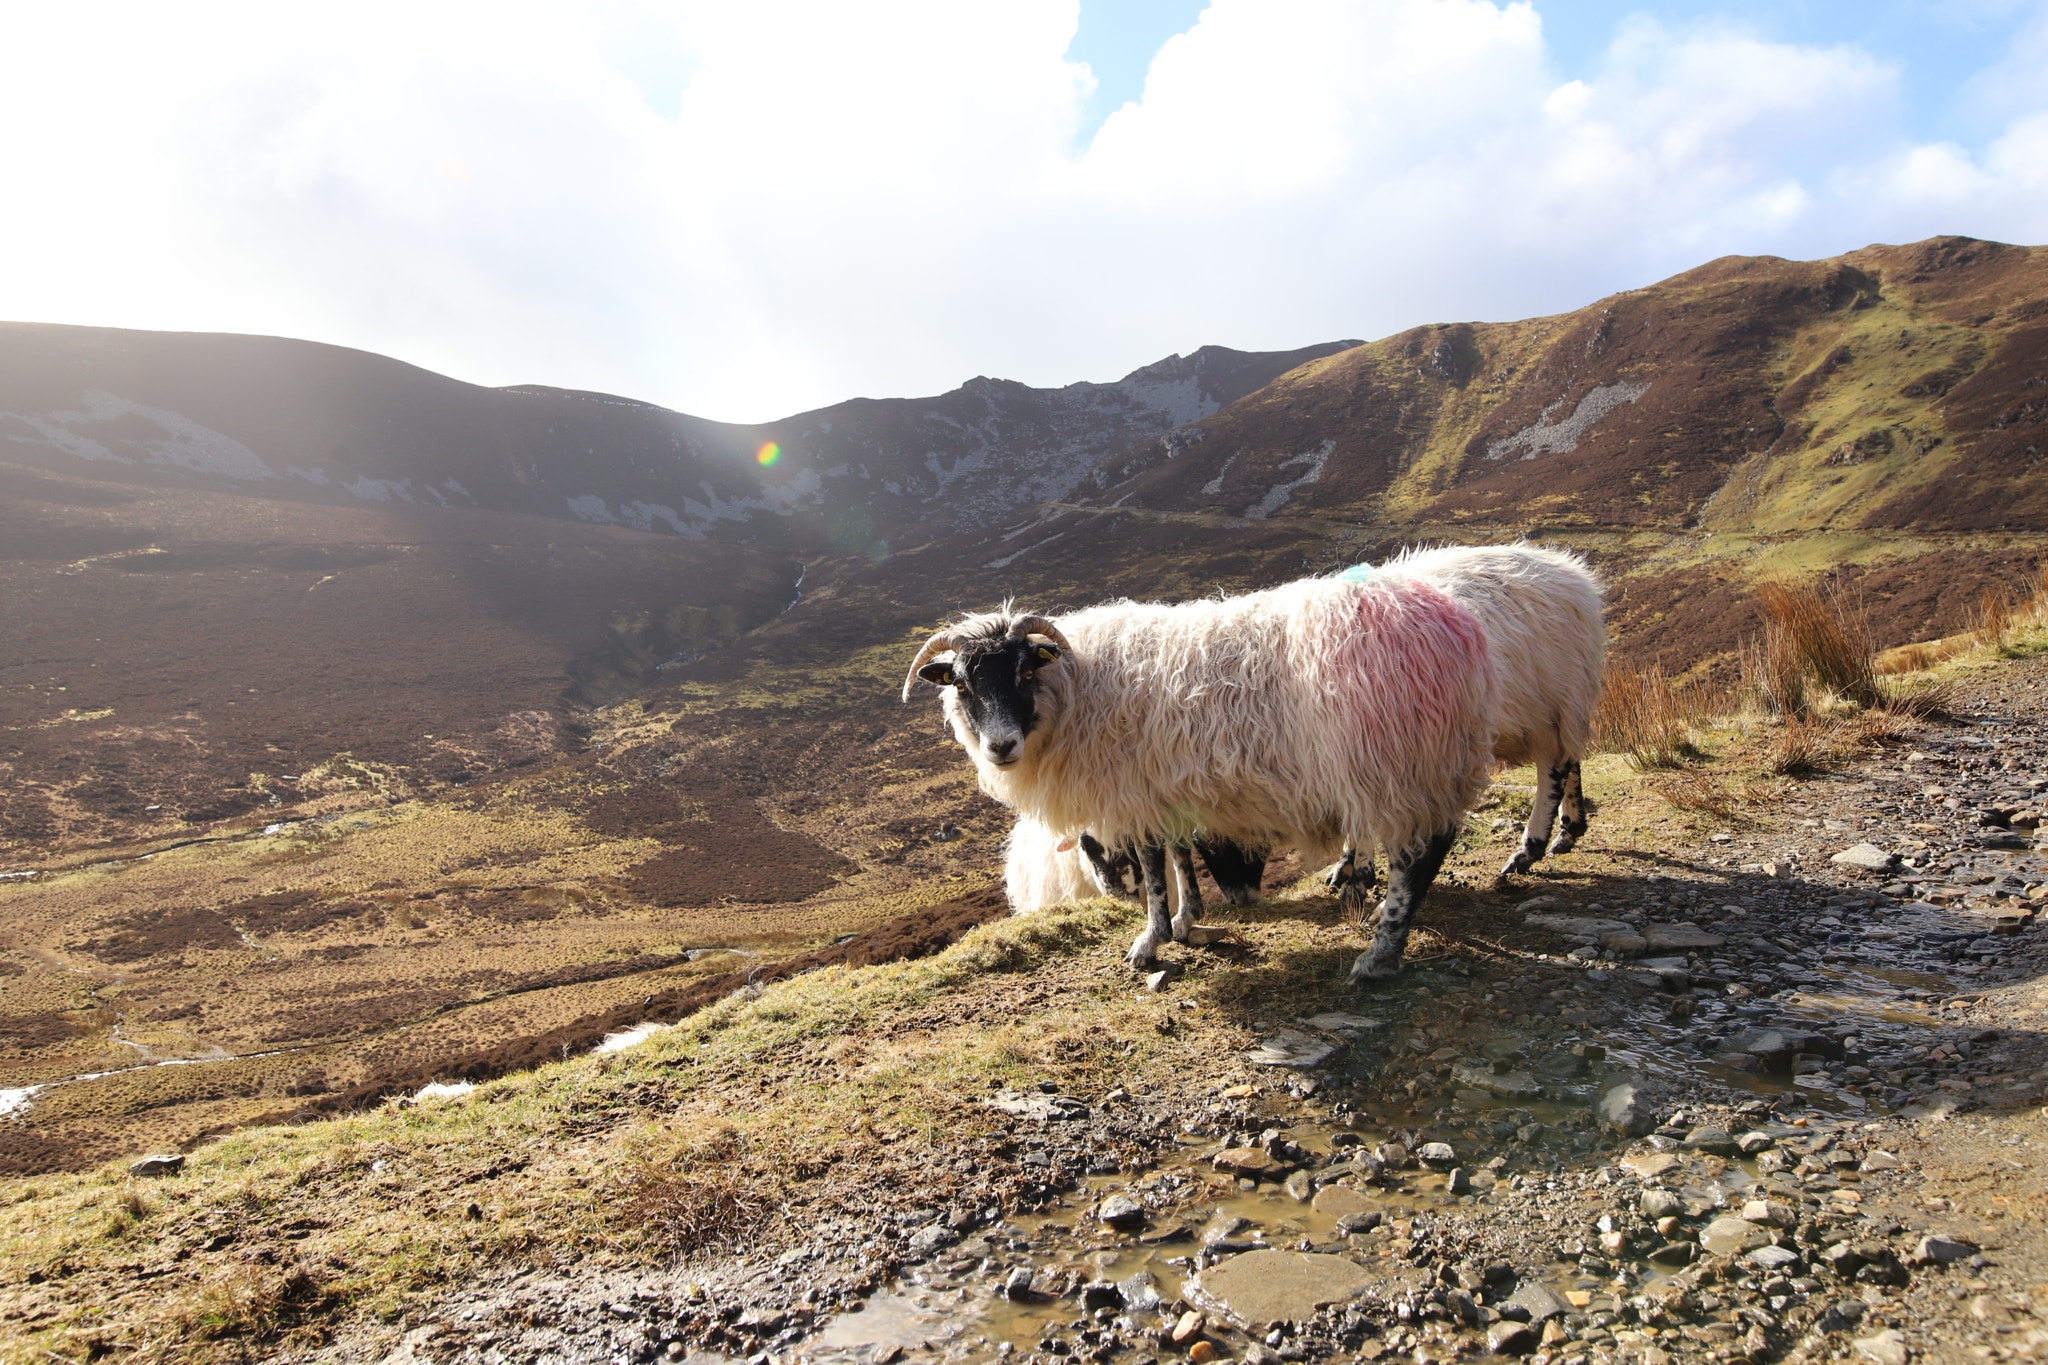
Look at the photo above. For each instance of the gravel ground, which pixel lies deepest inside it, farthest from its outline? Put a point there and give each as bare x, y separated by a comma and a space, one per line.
1757, 1105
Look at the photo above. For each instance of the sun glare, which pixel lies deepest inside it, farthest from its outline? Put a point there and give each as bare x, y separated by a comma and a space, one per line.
768, 454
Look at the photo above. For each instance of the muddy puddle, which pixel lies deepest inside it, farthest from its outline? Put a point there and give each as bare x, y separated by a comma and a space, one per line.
1246, 1254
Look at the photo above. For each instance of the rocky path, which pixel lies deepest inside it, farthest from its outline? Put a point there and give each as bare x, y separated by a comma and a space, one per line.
1773, 1097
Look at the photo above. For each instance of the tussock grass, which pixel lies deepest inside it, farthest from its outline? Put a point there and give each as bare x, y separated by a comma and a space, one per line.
1804, 747
1922, 657
1815, 650
1731, 799
1643, 717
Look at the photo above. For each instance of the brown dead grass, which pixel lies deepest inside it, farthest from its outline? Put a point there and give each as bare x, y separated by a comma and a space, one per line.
1707, 794
1645, 718
1922, 656
1807, 746
1815, 648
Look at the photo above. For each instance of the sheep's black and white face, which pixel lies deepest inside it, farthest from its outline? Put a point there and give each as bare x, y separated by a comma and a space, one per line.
993, 694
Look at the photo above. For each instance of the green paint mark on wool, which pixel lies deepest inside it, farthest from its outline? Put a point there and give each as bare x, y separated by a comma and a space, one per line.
1357, 573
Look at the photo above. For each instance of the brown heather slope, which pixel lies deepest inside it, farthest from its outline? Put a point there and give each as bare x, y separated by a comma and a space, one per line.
1879, 415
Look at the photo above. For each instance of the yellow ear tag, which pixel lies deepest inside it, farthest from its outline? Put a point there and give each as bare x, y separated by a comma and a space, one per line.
1046, 654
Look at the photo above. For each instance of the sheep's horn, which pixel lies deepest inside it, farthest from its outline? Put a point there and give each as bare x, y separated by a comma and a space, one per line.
938, 644
1039, 625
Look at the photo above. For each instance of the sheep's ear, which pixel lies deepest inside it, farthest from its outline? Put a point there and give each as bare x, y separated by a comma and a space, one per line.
1043, 650
939, 672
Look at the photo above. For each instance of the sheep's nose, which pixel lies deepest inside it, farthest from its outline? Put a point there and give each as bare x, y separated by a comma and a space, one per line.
1001, 749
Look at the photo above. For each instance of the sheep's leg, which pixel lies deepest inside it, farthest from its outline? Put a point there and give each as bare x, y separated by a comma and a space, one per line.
1408, 880
1550, 787
1573, 826
1109, 867
1239, 872
1190, 892
1353, 877
1158, 924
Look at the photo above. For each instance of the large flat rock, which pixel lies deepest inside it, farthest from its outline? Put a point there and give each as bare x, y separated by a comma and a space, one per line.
1293, 1048
1260, 1287
1665, 938
1578, 926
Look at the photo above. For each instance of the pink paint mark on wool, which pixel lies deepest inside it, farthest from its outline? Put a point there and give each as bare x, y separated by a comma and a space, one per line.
1405, 669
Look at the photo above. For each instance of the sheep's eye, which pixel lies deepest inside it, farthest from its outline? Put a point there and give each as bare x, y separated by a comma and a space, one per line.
1046, 653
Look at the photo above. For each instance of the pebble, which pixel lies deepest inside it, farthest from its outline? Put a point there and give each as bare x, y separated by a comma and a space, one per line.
1436, 1155
1729, 1236
166, 1163
1886, 1348
1250, 1161
1657, 1204
1510, 1338
1625, 1109
1938, 1250
1868, 857
1121, 1212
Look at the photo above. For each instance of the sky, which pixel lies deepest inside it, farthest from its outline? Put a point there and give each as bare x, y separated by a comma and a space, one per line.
749, 210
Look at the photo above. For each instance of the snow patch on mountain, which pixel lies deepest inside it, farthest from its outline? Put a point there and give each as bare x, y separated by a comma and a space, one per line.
175, 440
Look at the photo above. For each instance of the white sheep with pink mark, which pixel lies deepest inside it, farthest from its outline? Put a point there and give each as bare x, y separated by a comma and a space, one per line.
1329, 714
1541, 611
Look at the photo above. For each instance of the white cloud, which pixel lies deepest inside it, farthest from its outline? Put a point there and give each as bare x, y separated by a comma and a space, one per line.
743, 210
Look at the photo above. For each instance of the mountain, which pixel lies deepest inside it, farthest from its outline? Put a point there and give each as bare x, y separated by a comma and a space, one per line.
298, 421
1880, 415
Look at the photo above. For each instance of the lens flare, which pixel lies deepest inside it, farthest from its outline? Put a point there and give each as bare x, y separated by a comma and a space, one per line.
768, 454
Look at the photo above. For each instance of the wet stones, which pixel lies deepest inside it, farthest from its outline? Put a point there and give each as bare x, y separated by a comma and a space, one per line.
1246, 1161
1769, 1213
1438, 1156
1730, 1236
1262, 1287
1140, 1292
1536, 1302
1655, 1204
1774, 1258
1510, 1338
1624, 1109
1482, 1076
1222, 1232
1121, 1212
928, 1241
1714, 1140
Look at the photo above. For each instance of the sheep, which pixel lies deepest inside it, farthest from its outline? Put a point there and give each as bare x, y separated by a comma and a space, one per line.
1041, 870
1540, 609
1329, 713
1541, 612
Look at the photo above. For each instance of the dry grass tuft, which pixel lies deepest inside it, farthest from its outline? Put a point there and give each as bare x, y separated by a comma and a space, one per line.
1702, 792
1920, 657
258, 1303
1995, 620
1814, 647
1644, 717
1808, 746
